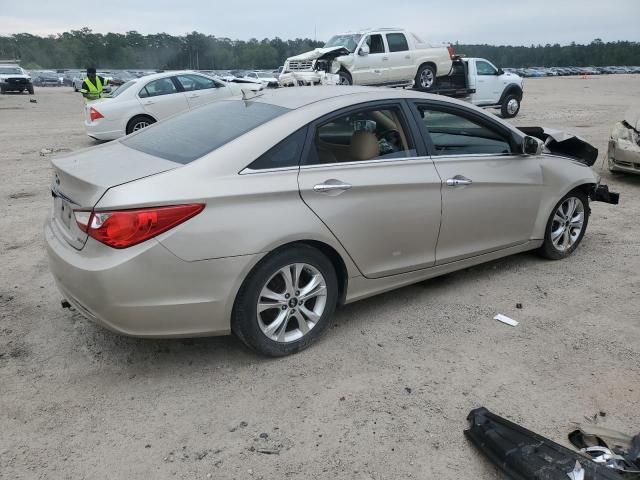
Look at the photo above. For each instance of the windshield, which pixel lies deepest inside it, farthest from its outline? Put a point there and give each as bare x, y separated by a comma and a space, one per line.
350, 42
187, 137
265, 75
10, 70
122, 88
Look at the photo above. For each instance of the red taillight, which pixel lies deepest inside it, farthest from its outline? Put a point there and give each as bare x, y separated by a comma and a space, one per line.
450, 49
94, 114
125, 228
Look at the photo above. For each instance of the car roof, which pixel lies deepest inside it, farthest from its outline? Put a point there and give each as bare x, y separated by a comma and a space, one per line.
297, 97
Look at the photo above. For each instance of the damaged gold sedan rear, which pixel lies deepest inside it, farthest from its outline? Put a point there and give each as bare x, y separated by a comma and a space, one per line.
624, 144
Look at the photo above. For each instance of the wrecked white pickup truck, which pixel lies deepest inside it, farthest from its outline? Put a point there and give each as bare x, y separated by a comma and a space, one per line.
382, 57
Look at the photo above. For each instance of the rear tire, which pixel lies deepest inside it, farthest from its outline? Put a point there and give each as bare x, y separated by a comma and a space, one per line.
562, 237
138, 123
510, 106
426, 78
344, 78
3, 90
302, 308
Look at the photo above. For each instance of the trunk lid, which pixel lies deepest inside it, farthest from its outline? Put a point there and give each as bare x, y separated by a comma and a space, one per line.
81, 179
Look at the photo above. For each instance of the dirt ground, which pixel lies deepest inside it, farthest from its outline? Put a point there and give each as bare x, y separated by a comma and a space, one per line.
383, 395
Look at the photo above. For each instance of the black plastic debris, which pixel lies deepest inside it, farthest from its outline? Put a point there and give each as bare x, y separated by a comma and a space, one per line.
525, 455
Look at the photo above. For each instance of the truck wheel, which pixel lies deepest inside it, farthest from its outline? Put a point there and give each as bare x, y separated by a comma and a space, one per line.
344, 78
30, 89
2, 90
426, 78
510, 106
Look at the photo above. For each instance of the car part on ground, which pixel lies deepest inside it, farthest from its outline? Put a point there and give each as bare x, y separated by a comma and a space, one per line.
350, 170
525, 455
623, 154
609, 447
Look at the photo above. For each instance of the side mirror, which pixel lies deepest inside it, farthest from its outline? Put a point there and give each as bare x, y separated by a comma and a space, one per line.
500, 72
531, 146
364, 50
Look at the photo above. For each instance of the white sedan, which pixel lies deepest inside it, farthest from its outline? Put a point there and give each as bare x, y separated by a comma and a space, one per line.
143, 101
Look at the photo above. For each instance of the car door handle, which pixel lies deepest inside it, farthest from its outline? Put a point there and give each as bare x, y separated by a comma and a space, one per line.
458, 181
194, 95
385, 58
408, 57
149, 102
331, 186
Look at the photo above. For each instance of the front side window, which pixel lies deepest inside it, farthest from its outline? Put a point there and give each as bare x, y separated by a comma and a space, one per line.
397, 42
370, 134
162, 86
454, 134
195, 82
485, 68
375, 44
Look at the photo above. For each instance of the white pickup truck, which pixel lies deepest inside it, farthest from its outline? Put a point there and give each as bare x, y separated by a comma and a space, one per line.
383, 56
480, 82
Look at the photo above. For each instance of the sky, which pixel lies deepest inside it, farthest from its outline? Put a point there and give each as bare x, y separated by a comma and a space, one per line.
497, 22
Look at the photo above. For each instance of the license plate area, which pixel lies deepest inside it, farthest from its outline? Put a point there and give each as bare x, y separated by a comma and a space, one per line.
66, 213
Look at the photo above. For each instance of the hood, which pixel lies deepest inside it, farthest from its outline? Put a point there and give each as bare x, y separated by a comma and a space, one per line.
564, 144
632, 117
332, 52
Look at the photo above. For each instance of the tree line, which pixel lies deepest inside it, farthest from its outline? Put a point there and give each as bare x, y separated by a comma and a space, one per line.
132, 50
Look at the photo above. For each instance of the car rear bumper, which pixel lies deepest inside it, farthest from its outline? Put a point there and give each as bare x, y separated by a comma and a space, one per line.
104, 129
145, 290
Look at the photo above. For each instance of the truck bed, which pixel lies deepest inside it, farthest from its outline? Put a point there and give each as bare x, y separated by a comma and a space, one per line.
456, 84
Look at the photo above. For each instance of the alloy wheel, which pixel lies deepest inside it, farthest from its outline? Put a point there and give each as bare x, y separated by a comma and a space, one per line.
512, 106
292, 302
567, 224
140, 125
426, 78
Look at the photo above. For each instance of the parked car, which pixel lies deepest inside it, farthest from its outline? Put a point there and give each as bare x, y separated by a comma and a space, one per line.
141, 102
483, 84
13, 78
387, 56
46, 79
267, 79
624, 144
259, 216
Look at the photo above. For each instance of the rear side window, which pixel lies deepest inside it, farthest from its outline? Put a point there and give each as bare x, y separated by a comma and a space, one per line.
397, 42
285, 154
189, 136
163, 86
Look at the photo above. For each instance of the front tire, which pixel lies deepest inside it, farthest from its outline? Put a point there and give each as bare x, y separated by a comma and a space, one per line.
30, 89
138, 123
286, 302
426, 78
566, 226
344, 78
510, 106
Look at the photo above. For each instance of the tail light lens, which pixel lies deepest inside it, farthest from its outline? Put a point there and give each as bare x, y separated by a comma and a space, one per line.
125, 228
450, 49
94, 114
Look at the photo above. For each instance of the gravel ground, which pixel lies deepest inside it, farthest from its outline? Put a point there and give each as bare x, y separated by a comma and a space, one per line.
385, 392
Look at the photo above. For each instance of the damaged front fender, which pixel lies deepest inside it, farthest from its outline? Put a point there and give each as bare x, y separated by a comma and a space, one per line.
624, 144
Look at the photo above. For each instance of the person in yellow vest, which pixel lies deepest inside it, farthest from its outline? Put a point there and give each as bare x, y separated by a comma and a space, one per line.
93, 85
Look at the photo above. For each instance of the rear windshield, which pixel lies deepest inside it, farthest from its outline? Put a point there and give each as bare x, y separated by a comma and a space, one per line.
122, 88
187, 137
